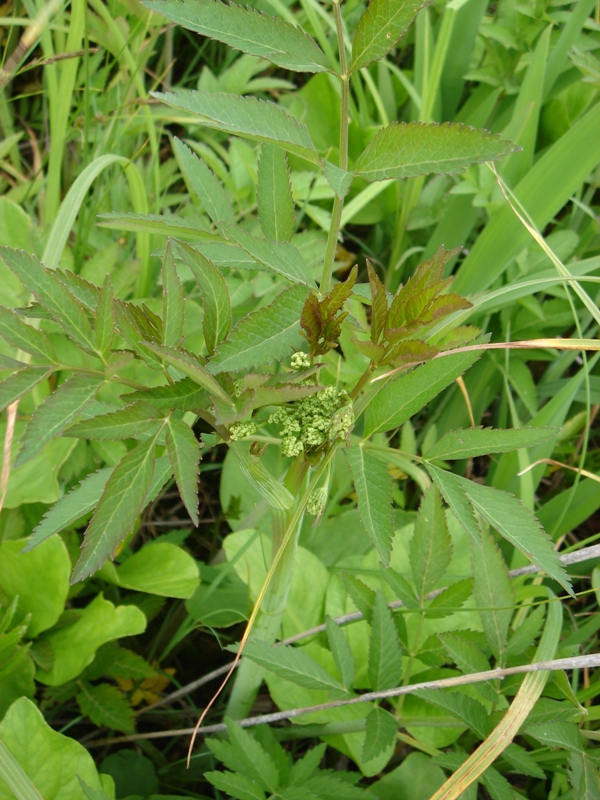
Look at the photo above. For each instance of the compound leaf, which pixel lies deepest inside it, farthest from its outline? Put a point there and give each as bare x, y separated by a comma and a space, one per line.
105, 318
205, 184
173, 303
184, 455
21, 382
291, 664
274, 194
117, 425
493, 592
192, 367
380, 734
279, 257
24, 336
341, 652
374, 487
474, 442
431, 546
385, 653
379, 29
106, 706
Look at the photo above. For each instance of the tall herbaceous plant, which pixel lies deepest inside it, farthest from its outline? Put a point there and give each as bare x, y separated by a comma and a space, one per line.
277, 380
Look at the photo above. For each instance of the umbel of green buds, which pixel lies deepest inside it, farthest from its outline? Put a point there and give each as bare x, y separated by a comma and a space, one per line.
314, 421
241, 429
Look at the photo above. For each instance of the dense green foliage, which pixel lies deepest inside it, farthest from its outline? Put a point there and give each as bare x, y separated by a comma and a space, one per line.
327, 308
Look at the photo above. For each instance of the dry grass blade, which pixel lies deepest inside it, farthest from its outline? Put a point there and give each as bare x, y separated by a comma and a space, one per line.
11, 419
584, 472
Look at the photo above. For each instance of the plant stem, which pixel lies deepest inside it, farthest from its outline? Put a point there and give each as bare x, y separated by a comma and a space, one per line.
338, 202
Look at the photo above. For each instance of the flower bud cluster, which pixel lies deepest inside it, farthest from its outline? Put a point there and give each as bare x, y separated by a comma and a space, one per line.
315, 420
300, 361
241, 429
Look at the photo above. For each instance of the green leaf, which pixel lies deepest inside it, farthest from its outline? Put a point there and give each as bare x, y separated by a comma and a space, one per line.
118, 509
117, 425
259, 763
400, 586
379, 29
263, 336
306, 766
227, 255
454, 494
184, 455
274, 492
380, 734
274, 194
207, 187
374, 487
248, 30
53, 415
407, 150
15, 777
254, 119
77, 503
184, 395
279, 257
474, 442
519, 526
362, 595
20, 383
379, 305
105, 318
464, 708
339, 179
522, 761
404, 396
24, 337
291, 664
240, 786
468, 658
215, 295
583, 771
51, 761
431, 546
192, 367
341, 652
52, 295
450, 599
106, 706
159, 568
385, 653
527, 632
173, 303
161, 224
135, 328
493, 592
563, 735
112, 661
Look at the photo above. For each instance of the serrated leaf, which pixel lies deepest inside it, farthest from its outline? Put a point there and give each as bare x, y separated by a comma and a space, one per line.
563, 735
205, 184
184, 455
279, 257
519, 526
77, 503
215, 295
227, 255
129, 327
493, 592
306, 766
118, 509
361, 595
407, 150
404, 396
112, 661
461, 706
257, 761
20, 383
291, 664
379, 29
52, 416
105, 318
374, 487
248, 30
583, 771
379, 305
263, 336
400, 586
184, 395
339, 179
106, 706
162, 224
330, 785
526, 633
192, 367
24, 336
254, 119
52, 295
274, 492
117, 425
454, 494
274, 194
385, 653
83, 290
341, 652
431, 546
467, 656
474, 442
240, 786
284, 393
380, 734
173, 303
521, 760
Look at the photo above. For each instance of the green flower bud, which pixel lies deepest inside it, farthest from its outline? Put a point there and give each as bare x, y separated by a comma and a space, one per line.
239, 430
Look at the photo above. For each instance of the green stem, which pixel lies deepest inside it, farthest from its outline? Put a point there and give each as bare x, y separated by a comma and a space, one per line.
338, 202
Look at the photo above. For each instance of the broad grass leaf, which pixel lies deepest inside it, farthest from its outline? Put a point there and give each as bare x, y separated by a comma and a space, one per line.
118, 509
407, 150
493, 592
380, 734
248, 30
403, 396
279, 257
192, 367
76, 504
473, 442
52, 295
291, 664
56, 412
216, 320
173, 303
239, 786
117, 425
106, 706
519, 525
453, 491
105, 318
341, 652
274, 492
20, 383
431, 546
374, 487
274, 194
264, 336
380, 28
205, 184
184, 455
253, 119
24, 337
385, 653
